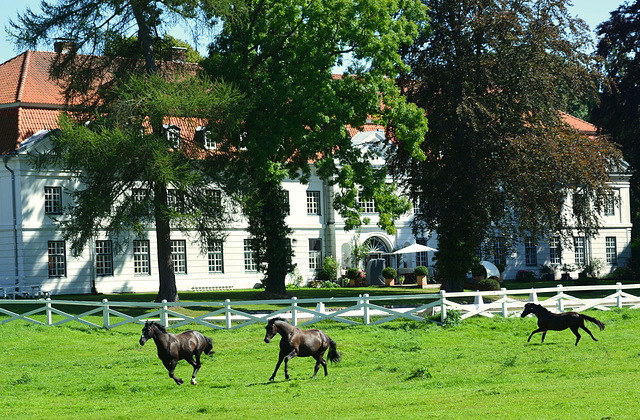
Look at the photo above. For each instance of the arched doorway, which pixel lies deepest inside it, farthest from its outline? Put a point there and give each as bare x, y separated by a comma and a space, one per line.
377, 249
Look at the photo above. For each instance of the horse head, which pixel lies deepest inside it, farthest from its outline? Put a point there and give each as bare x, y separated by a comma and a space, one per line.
147, 332
272, 329
528, 309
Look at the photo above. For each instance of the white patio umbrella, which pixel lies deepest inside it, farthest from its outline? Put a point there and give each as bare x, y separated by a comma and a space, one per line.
414, 248
492, 270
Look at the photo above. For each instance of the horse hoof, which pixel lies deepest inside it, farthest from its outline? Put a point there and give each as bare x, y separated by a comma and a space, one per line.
193, 382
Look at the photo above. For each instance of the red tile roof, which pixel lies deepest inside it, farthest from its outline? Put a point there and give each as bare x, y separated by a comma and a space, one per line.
30, 101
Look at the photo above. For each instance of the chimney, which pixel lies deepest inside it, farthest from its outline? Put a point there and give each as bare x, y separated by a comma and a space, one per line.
64, 47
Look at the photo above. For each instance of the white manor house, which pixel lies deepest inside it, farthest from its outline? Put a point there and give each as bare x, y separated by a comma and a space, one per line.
32, 253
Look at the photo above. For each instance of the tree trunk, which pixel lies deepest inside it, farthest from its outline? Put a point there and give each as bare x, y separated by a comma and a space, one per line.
167, 290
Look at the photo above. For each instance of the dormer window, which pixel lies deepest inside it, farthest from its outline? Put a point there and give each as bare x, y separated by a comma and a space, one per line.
204, 137
173, 135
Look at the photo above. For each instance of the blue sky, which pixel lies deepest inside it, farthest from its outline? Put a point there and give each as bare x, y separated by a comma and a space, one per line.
591, 11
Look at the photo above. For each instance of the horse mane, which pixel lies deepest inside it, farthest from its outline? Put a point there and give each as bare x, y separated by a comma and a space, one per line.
159, 326
272, 320
539, 307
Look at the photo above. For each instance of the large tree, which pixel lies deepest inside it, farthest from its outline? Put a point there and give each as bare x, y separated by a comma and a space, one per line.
619, 109
116, 158
493, 76
281, 54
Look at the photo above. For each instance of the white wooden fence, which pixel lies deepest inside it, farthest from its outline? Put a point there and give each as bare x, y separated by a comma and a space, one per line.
365, 309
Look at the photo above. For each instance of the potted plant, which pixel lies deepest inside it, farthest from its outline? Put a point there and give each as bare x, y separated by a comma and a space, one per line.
421, 273
353, 274
566, 269
389, 274
548, 271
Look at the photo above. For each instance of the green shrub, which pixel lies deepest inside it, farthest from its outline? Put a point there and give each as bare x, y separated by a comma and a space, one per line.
525, 276
389, 273
420, 270
322, 275
353, 273
622, 273
488, 284
330, 267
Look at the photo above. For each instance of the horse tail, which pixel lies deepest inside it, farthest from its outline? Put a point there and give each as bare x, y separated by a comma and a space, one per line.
333, 355
595, 321
208, 348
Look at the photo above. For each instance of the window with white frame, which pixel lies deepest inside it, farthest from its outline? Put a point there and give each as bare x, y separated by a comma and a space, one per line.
206, 139
285, 198
173, 136
366, 206
179, 256
249, 257
530, 252
416, 205
53, 200
315, 253
579, 250
499, 251
175, 200
215, 196
610, 205
313, 202
214, 257
104, 258
611, 250
554, 250
57, 259
141, 257
422, 258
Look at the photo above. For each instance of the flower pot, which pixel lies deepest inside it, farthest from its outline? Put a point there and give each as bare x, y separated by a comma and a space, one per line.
421, 281
389, 282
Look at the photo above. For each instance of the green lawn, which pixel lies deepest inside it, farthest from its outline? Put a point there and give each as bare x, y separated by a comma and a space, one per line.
483, 368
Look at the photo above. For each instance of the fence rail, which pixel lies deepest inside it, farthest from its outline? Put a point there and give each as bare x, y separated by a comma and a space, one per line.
364, 309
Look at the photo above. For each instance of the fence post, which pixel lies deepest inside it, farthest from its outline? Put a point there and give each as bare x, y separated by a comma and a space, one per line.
443, 306
504, 302
294, 313
105, 314
619, 295
227, 313
478, 301
533, 296
365, 308
164, 318
48, 311
560, 303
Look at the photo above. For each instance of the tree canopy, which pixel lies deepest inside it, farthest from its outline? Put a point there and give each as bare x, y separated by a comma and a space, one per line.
280, 54
500, 161
619, 109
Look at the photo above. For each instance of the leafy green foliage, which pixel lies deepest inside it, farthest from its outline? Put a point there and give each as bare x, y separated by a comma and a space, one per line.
493, 76
280, 54
389, 273
420, 271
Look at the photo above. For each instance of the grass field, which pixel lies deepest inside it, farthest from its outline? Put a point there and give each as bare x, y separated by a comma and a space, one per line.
480, 369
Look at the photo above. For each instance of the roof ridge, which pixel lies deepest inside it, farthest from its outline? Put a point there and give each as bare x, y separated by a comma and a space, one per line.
23, 75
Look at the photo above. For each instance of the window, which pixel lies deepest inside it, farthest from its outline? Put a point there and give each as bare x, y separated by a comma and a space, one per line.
104, 258
530, 252
610, 250
499, 251
249, 257
214, 257
173, 136
313, 202
554, 250
57, 259
578, 245
179, 256
315, 254
422, 257
285, 198
141, 198
141, 257
417, 206
53, 200
579, 203
175, 200
366, 206
215, 196
204, 137
610, 205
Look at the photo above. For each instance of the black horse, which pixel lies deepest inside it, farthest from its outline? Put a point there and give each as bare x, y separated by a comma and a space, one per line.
298, 342
174, 347
558, 322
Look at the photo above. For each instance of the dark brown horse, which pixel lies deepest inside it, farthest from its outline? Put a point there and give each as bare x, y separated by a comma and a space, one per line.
174, 347
548, 321
298, 342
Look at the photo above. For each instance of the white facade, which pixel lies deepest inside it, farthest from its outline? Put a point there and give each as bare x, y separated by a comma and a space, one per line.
32, 251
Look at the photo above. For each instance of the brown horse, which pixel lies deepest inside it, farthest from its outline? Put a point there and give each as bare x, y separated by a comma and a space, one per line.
298, 342
175, 347
548, 321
